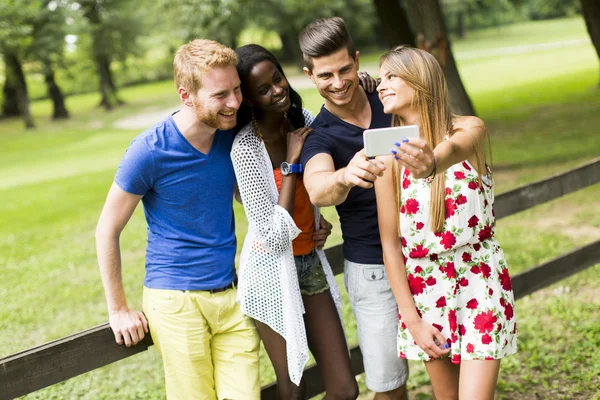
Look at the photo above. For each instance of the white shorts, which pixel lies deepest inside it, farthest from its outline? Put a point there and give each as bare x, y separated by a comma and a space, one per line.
376, 313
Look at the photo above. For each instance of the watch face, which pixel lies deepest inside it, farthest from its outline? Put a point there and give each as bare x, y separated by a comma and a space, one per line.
285, 168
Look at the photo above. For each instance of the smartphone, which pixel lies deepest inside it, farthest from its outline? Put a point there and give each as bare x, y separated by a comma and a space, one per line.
379, 142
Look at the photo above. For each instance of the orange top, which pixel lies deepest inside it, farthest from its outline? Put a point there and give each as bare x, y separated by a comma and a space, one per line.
304, 216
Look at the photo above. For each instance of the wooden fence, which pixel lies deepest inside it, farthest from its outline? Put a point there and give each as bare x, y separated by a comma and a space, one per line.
59, 360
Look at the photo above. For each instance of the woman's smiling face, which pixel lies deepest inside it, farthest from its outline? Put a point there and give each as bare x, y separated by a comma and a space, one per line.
268, 89
395, 94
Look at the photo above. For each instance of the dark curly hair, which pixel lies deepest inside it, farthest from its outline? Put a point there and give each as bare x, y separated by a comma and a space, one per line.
248, 56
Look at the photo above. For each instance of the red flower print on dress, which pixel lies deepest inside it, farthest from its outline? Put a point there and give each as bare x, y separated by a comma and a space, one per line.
406, 172
403, 240
419, 225
475, 269
462, 330
449, 270
412, 206
433, 257
405, 183
473, 221
455, 359
441, 302
418, 269
486, 339
473, 185
476, 246
485, 270
417, 284
464, 282
505, 280
466, 257
490, 292
460, 200
448, 191
502, 303
470, 348
402, 355
448, 240
472, 304
453, 338
430, 281
452, 320
418, 251
450, 207
466, 166
499, 327
489, 358
485, 322
509, 313
459, 175
438, 327
485, 233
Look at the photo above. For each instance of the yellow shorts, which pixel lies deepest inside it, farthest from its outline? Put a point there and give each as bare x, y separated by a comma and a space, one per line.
209, 348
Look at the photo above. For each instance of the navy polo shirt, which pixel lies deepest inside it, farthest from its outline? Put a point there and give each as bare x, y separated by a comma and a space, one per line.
358, 213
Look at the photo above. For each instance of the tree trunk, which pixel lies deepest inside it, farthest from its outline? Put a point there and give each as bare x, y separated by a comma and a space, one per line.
460, 23
432, 37
591, 14
394, 23
290, 52
58, 100
108, 100
108, 90
15, 70
10, 105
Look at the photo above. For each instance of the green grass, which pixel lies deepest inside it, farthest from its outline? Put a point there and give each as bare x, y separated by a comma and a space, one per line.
543, 114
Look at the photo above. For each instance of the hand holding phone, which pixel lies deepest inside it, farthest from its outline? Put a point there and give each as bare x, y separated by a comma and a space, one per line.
378, 142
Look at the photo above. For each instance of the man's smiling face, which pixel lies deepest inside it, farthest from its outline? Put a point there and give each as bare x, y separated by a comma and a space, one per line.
336, 76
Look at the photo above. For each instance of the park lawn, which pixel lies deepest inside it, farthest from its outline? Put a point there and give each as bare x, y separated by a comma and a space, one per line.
543, 119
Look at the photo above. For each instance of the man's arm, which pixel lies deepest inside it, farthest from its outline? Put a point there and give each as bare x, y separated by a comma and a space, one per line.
327, 187
129, 326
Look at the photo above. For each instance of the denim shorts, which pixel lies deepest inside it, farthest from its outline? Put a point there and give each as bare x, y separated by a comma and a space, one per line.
310, 274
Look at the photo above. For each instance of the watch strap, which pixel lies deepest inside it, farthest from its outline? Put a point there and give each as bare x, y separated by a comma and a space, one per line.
296, 168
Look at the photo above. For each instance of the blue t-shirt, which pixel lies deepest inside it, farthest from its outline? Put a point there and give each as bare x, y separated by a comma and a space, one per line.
187, 198
358, 213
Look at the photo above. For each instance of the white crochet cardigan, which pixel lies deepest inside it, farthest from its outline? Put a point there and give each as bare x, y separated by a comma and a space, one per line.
268, 288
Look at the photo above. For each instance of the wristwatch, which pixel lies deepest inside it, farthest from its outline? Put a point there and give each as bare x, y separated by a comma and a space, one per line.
287, 168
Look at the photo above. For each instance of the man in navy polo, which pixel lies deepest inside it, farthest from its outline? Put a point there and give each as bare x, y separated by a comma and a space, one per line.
337, 172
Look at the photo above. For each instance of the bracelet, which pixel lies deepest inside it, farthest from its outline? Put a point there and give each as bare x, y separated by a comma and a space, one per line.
432, 174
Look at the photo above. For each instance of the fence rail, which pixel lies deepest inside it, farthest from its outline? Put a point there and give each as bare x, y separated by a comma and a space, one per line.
62, 359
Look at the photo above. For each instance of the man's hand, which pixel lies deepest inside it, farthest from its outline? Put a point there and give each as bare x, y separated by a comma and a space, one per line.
320, 235
361, 171
129, 326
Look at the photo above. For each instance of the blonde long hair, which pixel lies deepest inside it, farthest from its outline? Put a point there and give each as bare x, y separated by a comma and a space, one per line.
422, 72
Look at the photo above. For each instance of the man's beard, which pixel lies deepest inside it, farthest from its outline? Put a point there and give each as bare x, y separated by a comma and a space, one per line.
211, 119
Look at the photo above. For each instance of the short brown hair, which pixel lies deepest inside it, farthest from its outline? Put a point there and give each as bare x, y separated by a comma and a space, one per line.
195, 58
323, 37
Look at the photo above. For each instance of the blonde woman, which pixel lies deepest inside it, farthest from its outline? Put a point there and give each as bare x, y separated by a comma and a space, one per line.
436, 221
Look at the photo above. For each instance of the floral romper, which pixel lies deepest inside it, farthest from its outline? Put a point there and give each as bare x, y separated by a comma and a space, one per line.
458, 278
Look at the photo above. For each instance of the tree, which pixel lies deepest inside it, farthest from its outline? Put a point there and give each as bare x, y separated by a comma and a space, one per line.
48, 45
591, 14
431, 36
114, 27
10, 104
14, 72
394, 22
15, 38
